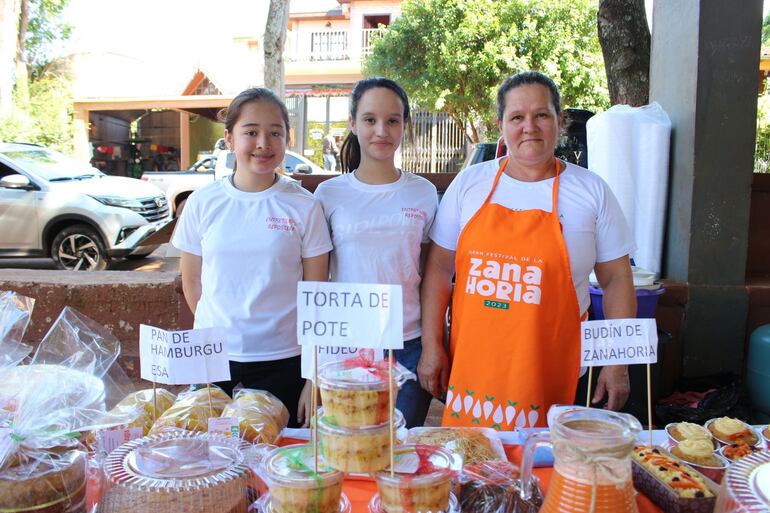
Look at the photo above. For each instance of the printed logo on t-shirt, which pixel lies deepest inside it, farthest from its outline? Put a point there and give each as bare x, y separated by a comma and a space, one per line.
504, 279
414, 214
281, 224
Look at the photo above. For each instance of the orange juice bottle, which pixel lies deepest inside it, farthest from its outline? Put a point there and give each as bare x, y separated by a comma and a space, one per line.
592, 462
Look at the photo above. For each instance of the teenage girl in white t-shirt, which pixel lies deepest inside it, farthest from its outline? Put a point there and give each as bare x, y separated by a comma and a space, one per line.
380, 216
246, 240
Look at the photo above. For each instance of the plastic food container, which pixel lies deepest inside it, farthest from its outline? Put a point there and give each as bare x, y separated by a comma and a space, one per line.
421, 480
358, 396
364, 449
178, 471
746, 486
295, 487
475, 445
376, 506
725, 441
265, 505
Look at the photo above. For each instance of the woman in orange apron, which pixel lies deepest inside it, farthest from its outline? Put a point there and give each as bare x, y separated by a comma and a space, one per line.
515, 329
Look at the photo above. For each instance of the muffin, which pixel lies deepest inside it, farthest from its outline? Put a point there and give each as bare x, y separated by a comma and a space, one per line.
294, 485
698, 452
421, 481
364, 449
358, 396
732, 431
688, 431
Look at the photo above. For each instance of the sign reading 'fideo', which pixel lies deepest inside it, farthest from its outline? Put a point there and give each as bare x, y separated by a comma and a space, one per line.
618, 342
350, 315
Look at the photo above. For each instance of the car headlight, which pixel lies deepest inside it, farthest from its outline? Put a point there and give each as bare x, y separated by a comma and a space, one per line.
112, 201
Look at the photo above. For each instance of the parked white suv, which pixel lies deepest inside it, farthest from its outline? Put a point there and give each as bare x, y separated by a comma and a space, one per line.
58, 207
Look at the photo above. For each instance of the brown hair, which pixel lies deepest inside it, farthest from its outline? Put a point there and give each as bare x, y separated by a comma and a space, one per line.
527, 78
230, 115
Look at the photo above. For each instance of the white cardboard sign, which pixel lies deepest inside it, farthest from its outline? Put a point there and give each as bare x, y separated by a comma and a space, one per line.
618, 342
350, 315
183, 357
328, 354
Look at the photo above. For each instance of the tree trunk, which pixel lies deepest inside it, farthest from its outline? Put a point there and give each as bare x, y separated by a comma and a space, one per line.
625, 40
9, 23
22, 71
274, 40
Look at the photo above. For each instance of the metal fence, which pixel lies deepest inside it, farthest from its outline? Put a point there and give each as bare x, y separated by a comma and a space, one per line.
437, 145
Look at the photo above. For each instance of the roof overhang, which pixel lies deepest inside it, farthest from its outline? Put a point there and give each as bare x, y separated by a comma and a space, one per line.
131, 108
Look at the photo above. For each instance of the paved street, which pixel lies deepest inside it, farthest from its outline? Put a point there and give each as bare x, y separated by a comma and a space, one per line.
157, 261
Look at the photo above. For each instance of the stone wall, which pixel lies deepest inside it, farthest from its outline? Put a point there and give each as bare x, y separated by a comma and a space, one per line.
119, 300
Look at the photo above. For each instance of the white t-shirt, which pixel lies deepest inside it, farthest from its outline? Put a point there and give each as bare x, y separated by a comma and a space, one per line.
377, 231
252, 245
593, 224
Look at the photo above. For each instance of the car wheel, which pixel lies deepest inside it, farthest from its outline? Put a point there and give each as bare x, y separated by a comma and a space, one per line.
79, 248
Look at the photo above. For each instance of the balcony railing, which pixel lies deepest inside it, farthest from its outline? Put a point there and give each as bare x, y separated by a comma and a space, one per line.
329, 45
334, 45
368, 38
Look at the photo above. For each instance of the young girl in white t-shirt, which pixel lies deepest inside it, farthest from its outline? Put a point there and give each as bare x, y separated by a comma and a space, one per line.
246, 240
379, 217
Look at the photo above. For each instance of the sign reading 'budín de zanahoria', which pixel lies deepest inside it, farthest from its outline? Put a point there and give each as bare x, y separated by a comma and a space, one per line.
183, 357
618, 342
350, 315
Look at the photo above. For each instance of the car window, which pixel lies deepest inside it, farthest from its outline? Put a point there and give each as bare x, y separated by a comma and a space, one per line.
50, 165
290, 162
6, 171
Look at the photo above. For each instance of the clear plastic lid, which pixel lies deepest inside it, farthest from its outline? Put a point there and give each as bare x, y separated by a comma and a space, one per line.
361, 374
294, 465
418, 465
328, 425
176, 460
746, 486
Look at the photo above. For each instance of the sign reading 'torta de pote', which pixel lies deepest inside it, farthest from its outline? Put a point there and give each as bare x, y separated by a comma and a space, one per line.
618, 342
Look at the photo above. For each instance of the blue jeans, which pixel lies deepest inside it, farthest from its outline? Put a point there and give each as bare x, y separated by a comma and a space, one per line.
413, 400
330, 162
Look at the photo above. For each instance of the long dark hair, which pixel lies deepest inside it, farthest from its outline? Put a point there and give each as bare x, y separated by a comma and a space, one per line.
350, 153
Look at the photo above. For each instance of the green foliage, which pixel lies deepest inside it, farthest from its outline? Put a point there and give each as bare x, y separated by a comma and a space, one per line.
45, 32
47, 117
762, 152
41, 112
317, 144
766, 30
450, 55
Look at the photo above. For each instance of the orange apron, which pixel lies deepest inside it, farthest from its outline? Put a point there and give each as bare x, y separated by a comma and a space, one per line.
515, 336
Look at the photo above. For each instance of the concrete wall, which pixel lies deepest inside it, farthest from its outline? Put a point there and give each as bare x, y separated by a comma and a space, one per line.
119, 300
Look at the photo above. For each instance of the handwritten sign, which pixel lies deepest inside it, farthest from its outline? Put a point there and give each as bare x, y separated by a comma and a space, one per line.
328, 354
350, 315
110, 439
183, 357
618, 342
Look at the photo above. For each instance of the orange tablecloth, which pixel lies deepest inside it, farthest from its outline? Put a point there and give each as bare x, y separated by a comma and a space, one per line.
360, 492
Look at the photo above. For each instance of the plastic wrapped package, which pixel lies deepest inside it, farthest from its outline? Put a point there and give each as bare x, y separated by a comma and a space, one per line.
420, 481
355, 391
192, 410
475, 445
15, 313
297, 485
60, 394
178, 471
138, 408
494, 487
262, 416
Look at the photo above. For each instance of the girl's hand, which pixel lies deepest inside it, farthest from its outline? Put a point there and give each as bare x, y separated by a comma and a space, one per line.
304, 410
